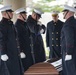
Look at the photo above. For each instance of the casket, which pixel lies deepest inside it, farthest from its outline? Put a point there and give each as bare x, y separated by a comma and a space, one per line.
43, 68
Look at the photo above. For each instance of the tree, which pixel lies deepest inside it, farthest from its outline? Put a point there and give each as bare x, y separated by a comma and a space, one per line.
1, 1
47, 0
44, 5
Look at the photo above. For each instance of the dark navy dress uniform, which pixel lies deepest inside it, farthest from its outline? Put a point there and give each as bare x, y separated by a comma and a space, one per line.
37, 47
24, 41
9, 45
53, 38
68, 45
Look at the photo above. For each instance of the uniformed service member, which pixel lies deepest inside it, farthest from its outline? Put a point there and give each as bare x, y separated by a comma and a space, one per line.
37, 47
23, 35
53, 36
68, 41
10, 63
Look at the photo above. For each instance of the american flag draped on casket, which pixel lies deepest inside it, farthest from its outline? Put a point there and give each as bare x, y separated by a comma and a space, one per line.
57, 63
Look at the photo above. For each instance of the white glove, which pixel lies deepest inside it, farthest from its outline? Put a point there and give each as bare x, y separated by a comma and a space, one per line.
41, 31
48, 48
39, 23
22, 55
4, 57
68, 57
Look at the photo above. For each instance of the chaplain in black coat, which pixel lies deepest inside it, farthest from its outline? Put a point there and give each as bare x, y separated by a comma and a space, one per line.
68, 41
24, 40
53, 36
37, 47
10, 62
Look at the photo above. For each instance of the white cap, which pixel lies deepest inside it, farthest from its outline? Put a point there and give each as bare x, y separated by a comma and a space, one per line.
55, 12
38, 11
69, 8
6, 8
20, 10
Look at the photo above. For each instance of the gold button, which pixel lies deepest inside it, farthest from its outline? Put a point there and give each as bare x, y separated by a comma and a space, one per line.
18, 46
32, 52
16, 39
55, 24
52, 38
31, 44
22, 50
52, 45
52, 32
56, 38
56, 32
57, 45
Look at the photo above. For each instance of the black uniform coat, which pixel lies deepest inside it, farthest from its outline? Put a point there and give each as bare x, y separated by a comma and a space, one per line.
37, 42
68, 45
53, 38
24, 41
8, 46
